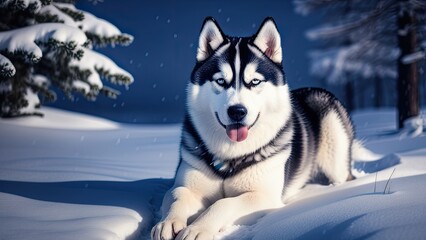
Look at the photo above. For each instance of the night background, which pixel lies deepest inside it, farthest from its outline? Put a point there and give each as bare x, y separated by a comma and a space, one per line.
65, 175
162, 54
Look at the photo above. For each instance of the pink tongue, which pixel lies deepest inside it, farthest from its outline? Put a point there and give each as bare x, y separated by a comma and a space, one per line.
237, 133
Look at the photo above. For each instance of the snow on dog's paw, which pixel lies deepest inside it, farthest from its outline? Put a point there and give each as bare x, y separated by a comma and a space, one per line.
195, 232
167, 229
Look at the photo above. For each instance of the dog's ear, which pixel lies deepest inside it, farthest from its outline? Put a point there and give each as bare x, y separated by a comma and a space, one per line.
211, 37
268, 40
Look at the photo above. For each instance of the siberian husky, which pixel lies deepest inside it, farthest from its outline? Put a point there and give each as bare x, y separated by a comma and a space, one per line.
249, 143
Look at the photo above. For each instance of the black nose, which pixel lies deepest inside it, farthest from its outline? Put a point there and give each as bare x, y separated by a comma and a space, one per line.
237, 112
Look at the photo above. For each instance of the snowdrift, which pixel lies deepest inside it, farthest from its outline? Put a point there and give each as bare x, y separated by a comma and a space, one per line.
73, 176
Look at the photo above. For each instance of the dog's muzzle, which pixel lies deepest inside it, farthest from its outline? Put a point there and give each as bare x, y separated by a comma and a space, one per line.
237, 132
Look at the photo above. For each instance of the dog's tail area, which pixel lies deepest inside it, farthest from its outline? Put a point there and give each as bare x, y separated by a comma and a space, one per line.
366, 161
361, 153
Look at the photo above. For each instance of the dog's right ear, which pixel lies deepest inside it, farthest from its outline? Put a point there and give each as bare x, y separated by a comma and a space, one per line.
211, 37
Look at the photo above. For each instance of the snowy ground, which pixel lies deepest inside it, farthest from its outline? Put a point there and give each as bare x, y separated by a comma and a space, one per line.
71, 176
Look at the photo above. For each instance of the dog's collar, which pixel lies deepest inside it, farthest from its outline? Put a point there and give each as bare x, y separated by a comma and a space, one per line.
221, 166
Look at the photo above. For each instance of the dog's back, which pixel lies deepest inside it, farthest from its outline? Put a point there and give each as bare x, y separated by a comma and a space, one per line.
321, 143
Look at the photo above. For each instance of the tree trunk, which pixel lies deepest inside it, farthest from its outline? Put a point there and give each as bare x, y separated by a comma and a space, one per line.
378, 96
408, 91
349, 92
360, 94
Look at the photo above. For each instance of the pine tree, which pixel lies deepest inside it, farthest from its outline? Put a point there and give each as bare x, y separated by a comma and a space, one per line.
45, 43
371, 39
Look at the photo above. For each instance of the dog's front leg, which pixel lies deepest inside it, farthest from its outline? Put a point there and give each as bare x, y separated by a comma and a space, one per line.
191, 194
179, 204
227, 211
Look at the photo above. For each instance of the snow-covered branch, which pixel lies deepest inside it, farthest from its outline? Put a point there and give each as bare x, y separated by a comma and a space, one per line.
413, 57
6, 67
63, 17
23, 40
100, 31
101, 66
366, 59
331, 31
21, 5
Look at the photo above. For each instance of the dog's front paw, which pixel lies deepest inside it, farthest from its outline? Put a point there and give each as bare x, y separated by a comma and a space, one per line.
167, 229
195, 232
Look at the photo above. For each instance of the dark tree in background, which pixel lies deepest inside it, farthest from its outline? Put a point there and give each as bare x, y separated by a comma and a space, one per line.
44, 43
371, 40
408, 90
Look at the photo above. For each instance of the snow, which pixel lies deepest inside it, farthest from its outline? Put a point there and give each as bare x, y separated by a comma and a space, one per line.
98, 26
413, 127
81, 86
40, 80
62, 120
32, 101
413, 57
73, 176
23, 39
53, 10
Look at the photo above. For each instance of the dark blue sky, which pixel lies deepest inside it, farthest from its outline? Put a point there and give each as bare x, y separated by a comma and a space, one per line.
162, 55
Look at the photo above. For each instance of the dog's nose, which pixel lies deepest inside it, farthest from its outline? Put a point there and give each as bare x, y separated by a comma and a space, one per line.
237, 112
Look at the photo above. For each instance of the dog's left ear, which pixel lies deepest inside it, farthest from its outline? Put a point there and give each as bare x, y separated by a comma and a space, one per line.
268, 40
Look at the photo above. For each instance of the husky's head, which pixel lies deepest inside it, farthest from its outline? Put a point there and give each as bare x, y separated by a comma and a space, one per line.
238, 98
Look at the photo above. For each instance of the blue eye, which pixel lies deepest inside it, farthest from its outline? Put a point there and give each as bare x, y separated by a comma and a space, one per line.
220, 81
255, 82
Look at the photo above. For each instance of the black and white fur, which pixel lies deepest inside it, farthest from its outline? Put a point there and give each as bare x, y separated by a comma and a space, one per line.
293, 137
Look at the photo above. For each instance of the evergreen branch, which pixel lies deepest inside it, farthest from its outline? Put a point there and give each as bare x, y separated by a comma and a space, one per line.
119, 79
67, 78
47, 18
20, 6
16, 114
74, 14
66, 1
81, 83
77, 73
28, 57
47, 94
27, 41
7, 69
346, 28
12, 102
46, 2
90, 95
13, 6
56, 51
123, 39
14, 18
110, 92
70, 48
